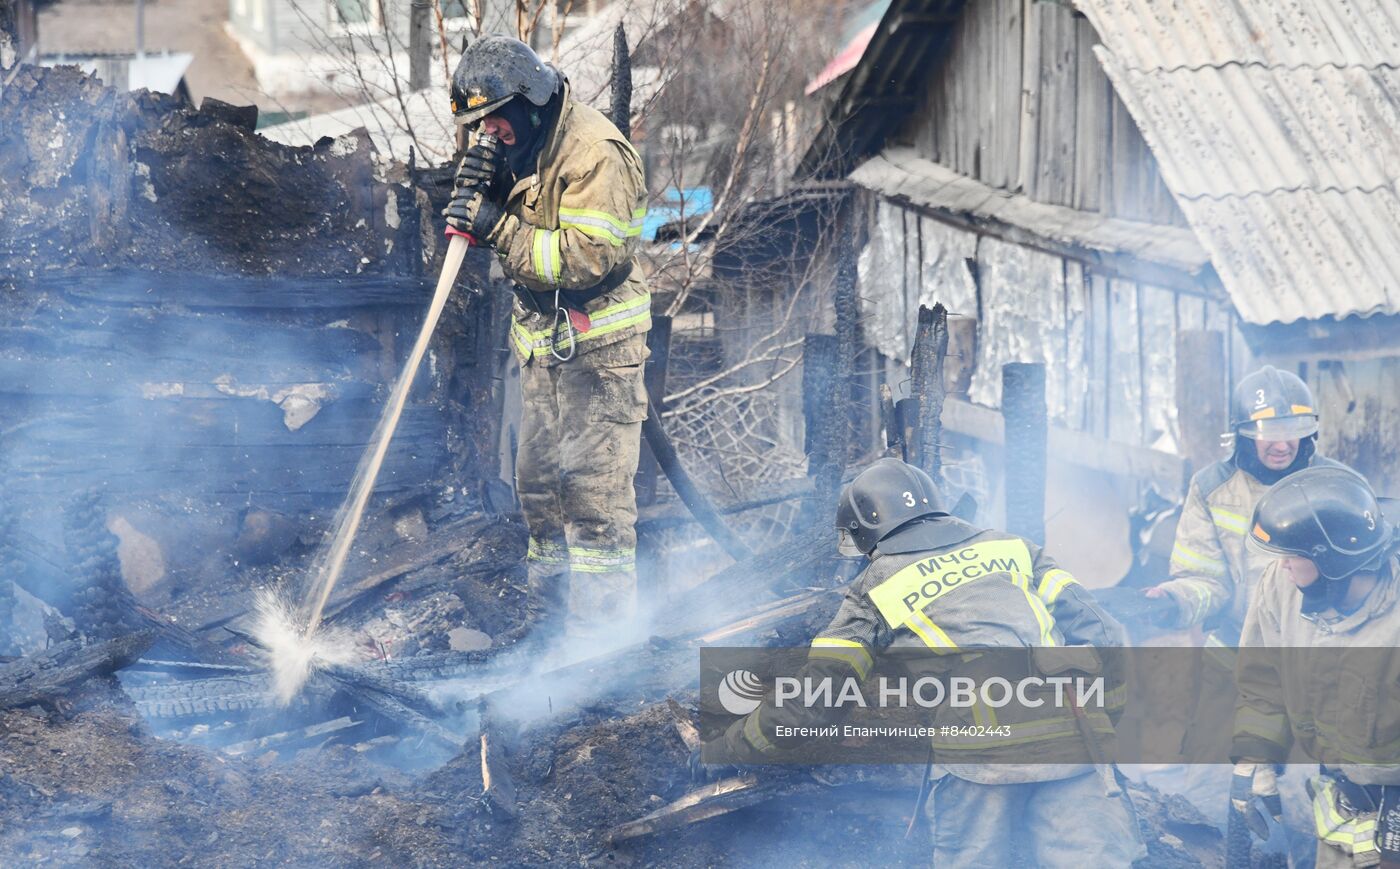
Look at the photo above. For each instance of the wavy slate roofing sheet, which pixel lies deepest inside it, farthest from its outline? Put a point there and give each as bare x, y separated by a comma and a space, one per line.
1277, 127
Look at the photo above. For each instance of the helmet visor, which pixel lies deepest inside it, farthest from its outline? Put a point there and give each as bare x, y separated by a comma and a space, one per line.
469, 114
846, 544
1281, 428
1258, 541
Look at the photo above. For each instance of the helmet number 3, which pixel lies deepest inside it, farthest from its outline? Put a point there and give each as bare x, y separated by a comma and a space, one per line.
1370, 521
1259, 399
909, 499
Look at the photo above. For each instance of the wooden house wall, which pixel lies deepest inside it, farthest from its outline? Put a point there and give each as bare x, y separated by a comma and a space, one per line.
1022, 104
1109, 343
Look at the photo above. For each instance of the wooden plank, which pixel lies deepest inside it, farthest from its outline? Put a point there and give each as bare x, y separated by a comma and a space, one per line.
193, 290
1031, 13
50, 674
1007, 83
711, 801
1109, 263
1055, 147
1091, 135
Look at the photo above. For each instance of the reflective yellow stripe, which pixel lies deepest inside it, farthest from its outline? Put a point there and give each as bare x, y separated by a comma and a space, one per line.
1053, 583
1042, 618
932, 635
623, 315
1221, 654
1191, 560
544, 256
584, 560
847, 651
753, 732
1268, 726
597, 224
546, 553
1229, 521
1355, 834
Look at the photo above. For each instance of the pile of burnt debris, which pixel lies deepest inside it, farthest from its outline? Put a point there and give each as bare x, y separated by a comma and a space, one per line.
198, 327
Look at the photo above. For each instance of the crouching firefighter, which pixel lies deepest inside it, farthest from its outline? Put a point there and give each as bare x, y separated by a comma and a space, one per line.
986, 788
1318, 662
559, 193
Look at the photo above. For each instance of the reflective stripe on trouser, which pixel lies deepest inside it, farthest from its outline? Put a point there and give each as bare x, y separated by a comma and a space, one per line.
580, 438
1343, 839
1069, 822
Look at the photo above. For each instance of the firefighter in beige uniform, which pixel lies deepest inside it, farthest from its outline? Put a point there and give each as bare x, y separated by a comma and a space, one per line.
1318, 665
563, 211
1274, 423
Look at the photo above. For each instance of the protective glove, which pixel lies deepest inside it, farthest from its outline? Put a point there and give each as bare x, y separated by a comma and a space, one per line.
471, 212
701, 772
1255, 785
479, 165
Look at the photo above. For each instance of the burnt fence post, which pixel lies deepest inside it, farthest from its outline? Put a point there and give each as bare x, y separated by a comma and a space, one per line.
1024, 410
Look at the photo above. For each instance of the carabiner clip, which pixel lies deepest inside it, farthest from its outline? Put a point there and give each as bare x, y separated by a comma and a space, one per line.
559, 313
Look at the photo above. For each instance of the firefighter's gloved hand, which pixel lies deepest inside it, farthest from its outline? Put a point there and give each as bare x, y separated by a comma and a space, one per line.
1253, 791
472, 213
479, 165
701, 772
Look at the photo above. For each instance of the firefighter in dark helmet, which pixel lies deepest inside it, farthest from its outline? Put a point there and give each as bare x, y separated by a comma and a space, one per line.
558, 192
1013, 597
1318, 662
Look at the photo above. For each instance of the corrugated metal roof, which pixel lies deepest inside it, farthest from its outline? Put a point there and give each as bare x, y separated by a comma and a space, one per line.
1276, 124
1153, 34
1248, 129
900, 174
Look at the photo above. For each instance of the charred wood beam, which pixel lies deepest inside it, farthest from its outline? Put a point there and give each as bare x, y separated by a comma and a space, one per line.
204, 698
498, 787
396, 701
930, 351
1027, 433
50, 674
818, 371
711, 801
621, 109
834, 439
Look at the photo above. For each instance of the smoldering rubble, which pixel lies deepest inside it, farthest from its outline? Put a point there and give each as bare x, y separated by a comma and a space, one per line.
199, 326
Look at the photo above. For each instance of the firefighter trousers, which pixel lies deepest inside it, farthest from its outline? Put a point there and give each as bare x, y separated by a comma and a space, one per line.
1062, 824
580, 439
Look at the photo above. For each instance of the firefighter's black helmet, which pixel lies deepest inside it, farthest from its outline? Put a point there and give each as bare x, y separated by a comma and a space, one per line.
1328, 515
496, 69
882, 499
1273, 405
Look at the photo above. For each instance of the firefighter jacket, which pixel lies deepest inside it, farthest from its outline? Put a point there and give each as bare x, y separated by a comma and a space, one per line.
1212, 571
575, 225
1326, 682
958, 589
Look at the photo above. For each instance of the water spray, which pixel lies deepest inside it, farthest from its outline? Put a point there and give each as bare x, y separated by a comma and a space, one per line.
288, 636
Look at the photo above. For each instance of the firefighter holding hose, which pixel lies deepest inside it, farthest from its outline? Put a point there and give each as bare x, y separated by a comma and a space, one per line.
557, 191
